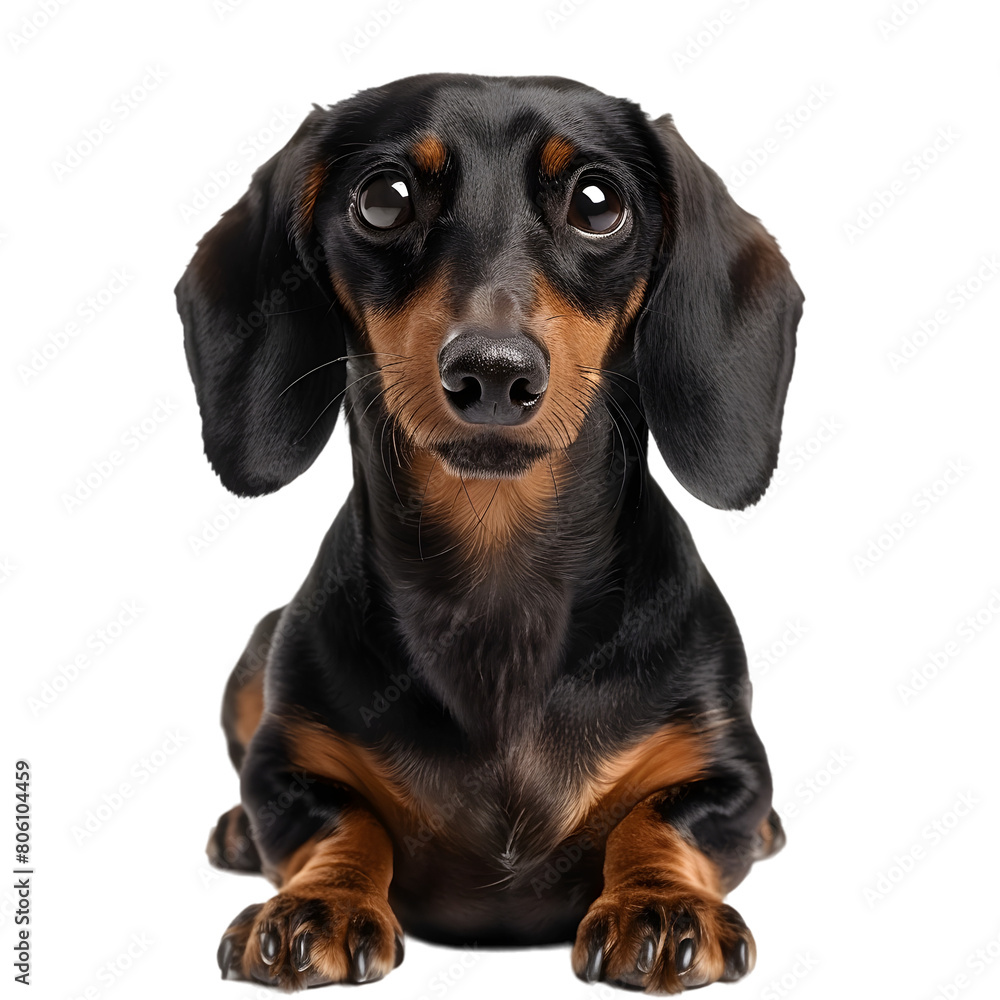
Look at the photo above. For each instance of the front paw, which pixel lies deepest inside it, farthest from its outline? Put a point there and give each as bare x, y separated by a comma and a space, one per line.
661, 941
294, 941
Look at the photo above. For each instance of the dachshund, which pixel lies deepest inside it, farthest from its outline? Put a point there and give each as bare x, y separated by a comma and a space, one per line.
509, 706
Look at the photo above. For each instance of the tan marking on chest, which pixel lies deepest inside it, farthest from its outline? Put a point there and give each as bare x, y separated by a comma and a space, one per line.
672, 756
484, 515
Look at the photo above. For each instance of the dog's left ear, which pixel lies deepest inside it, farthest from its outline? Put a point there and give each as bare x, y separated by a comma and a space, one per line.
716, 338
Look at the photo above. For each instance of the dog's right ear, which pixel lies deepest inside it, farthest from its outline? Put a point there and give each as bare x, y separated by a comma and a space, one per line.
263, 332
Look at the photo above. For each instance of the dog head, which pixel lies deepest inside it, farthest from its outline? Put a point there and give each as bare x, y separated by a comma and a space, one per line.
486, 251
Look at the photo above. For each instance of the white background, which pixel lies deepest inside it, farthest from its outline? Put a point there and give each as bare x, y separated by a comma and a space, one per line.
862, 770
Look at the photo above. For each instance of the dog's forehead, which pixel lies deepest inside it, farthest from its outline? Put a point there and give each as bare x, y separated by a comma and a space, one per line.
508, 118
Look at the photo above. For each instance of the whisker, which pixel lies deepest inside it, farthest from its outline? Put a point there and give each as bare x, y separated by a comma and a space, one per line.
406, 402
395, 444
351, 403
499, 881
385, 465
614, 424
383, 391
635, 438
608, 371
471, 504
420, 516
375, 354
430, 413
332, 401
492, 498
471, 531
598, 383
348, 357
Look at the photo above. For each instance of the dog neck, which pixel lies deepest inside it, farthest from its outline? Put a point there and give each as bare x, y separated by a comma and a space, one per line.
485, 574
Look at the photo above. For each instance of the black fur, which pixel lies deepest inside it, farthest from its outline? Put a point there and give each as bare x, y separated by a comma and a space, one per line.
257, 306
716, 343
580, 639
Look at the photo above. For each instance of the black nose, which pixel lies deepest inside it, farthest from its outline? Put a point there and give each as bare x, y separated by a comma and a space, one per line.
491, 379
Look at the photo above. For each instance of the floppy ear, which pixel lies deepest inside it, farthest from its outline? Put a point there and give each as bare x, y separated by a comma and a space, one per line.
716, 339
262, 330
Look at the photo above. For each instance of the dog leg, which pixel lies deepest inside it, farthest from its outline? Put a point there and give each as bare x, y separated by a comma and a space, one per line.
660, 923
230, 844
330, 922
243, 700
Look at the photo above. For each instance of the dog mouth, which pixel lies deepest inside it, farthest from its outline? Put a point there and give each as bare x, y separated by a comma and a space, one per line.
489, 455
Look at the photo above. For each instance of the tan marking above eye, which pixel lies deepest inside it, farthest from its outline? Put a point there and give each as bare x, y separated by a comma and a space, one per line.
429, 154
249, 707
556, 155
307, 200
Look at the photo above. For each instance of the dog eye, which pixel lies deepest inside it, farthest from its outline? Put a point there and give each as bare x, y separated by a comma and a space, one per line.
385, 202
595, 207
